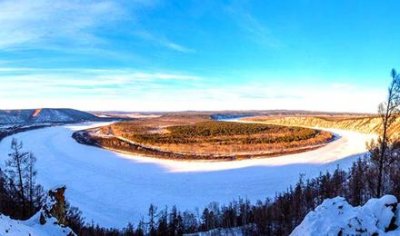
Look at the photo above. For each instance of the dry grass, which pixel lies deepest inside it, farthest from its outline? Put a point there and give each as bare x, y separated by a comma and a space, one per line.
198, 137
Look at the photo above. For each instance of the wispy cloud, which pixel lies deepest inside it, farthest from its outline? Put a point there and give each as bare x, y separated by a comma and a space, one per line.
21, 83
302, 96
252, 27
58, 25
162, 41
37, 23
127, 89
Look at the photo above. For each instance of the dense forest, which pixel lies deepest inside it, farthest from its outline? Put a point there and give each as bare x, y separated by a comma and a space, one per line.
216, 132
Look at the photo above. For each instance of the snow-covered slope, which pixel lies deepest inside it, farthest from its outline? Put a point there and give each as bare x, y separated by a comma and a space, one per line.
46, 115
238, 231
43, 223
31, 227
337, 217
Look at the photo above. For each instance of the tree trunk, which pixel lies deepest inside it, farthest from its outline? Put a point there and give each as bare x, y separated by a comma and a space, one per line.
21, 183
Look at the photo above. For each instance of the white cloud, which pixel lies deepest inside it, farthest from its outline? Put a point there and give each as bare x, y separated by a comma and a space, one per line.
126, 89
26, 22
252, 27
58, 25
163, 41
25, 83
264, 96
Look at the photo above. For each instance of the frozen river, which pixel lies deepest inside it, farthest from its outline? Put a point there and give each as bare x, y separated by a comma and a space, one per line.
113, 189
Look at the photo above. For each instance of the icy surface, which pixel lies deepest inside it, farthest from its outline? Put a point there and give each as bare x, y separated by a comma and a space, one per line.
337, 217
113, 189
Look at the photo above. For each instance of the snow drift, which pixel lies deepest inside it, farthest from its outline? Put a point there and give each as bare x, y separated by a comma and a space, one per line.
32, 227
337, 217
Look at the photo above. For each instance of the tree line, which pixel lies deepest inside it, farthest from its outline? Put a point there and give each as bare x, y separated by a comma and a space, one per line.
20, 195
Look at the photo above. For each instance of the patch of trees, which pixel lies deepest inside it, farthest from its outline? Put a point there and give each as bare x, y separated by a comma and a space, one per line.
20, 195
214, 132
208, 140
222, 149
389, 111
4, 132
218, 128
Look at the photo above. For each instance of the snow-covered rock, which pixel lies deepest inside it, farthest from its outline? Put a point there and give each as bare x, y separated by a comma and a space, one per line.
337, 217
32, 227
43, 223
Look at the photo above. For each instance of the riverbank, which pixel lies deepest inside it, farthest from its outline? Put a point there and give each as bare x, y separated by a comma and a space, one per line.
199, 139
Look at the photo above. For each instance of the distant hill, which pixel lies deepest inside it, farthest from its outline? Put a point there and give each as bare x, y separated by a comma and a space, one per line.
45, 115
363, 124
227, 114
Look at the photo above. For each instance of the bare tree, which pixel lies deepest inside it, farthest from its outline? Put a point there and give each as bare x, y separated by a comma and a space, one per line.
21, 173
388, 112
16, 169
34, 192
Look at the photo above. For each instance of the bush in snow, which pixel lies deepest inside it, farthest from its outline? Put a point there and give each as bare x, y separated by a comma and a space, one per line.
44, 222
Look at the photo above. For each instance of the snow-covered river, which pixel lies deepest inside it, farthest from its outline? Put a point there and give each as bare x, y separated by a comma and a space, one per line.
113, 189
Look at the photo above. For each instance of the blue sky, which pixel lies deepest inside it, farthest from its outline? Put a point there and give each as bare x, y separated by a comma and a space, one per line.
197, 55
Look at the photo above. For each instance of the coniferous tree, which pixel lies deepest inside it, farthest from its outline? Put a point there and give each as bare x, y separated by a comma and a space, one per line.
388, 111
152, 219
21, 177
357, 182
162, 226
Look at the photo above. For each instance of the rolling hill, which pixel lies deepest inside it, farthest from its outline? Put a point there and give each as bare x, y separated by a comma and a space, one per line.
363, 124
45, 115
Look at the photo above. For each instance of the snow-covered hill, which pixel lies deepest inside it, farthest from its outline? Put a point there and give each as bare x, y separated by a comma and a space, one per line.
337, 217
238, 231
45, 115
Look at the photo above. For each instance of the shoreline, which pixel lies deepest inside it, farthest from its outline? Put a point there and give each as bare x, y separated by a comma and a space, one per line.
131, 148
